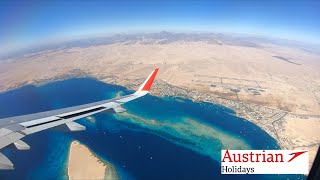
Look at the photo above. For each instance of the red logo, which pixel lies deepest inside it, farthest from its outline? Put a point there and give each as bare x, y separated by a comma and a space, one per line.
296, 154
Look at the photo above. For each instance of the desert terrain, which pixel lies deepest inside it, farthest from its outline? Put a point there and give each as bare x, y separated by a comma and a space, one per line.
273, 84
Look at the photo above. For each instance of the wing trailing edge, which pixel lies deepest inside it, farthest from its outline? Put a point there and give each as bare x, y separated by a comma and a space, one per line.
13, 129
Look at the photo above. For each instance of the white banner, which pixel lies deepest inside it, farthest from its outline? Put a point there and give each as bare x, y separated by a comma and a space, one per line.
264, 162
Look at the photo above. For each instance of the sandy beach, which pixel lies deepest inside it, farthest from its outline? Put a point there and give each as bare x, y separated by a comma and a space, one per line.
83, 164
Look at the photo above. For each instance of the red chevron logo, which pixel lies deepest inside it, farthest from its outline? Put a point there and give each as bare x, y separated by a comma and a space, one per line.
296, 154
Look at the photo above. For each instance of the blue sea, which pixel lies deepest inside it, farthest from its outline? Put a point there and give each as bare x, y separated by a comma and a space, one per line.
157, 138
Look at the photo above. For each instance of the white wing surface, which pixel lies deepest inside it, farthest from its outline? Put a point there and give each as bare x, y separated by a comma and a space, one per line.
15, 128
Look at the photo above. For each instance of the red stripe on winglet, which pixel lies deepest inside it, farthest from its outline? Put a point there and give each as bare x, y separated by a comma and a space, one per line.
148, 85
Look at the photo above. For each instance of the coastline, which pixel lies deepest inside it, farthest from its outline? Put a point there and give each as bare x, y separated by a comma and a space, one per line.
271, 120
84, 164
279, 124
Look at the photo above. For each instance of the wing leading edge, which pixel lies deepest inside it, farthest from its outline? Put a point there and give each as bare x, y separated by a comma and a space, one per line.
15, 128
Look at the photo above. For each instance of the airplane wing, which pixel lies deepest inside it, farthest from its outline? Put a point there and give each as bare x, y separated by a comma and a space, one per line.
15, 128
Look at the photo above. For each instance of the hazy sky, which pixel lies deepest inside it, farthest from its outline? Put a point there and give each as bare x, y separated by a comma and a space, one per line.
24, 23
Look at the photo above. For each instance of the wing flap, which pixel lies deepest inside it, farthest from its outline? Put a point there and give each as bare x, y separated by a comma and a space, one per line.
73, 126
20, 145
119, 109
5, 163
10, 138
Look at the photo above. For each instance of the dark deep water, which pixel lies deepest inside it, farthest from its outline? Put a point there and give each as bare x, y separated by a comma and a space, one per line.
159, 138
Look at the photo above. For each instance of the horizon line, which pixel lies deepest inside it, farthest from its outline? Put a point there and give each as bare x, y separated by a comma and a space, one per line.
63, 39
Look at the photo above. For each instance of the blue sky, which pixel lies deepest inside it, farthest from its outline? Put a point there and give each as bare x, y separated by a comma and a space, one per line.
25, 23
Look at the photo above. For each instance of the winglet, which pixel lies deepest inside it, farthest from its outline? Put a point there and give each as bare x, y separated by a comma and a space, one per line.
145, 87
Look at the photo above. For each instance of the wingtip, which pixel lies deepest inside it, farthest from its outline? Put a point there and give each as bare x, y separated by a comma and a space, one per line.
146, 86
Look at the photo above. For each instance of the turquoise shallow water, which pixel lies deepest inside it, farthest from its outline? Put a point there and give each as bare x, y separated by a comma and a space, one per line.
157, 138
